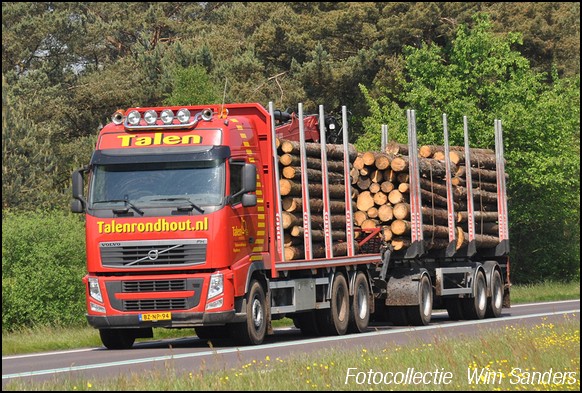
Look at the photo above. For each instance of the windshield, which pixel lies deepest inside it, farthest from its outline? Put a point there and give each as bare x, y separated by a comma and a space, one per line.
152, 184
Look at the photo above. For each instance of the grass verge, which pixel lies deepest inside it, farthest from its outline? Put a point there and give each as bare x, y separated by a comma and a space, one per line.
541, 357
61, 338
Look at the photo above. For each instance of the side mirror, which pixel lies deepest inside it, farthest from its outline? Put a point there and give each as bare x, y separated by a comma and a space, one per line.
78, 203
249, 178
249, 200
77, 206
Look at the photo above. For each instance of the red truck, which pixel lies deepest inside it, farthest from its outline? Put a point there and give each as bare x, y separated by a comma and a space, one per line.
184, 230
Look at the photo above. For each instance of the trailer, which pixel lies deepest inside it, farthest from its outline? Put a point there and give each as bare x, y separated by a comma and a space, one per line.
186, 228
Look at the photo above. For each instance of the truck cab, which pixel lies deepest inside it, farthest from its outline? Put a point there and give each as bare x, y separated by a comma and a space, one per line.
175, 217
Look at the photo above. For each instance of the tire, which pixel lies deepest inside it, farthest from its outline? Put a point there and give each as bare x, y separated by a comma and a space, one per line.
476, 307
380, 311
211, 332
398, 315
254, 329
454, 308
359, 305
307, 323
334, 321
117, 338
420, 315
495, 303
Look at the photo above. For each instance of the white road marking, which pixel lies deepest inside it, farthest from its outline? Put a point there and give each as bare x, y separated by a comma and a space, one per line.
276, 345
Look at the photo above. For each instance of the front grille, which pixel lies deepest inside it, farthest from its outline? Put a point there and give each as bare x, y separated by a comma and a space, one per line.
154, 286
161, 253
192, 285
154, 305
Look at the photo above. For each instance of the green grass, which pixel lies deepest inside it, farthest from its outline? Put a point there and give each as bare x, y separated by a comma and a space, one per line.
545, 292
58, 338
516, 358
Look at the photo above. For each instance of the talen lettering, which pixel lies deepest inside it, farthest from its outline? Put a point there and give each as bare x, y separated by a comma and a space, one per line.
159, 138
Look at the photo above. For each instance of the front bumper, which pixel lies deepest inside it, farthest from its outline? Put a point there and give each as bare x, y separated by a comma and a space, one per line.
179, 320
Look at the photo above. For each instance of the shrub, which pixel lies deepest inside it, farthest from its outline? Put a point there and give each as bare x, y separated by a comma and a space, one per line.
43, 262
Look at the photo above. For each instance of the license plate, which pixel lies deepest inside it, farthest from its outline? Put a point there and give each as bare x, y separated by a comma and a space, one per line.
156, 316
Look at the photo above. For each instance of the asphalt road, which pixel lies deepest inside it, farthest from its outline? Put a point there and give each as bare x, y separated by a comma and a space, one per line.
192, 354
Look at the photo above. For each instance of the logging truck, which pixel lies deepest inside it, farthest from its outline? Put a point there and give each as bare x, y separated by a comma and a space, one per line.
206, 217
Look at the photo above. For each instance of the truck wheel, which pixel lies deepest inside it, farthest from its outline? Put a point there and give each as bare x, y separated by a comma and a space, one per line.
475, 307
117, 338
359, 305
496, 301
253, 331
211, 332
307, 323
420, 315
334, 321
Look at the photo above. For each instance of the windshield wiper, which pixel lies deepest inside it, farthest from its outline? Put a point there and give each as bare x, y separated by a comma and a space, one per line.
191, 204
127, 204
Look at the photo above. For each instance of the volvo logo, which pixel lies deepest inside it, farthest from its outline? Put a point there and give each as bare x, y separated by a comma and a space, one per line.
153, 255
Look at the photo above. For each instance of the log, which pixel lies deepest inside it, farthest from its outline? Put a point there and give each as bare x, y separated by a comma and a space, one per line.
462, 216
291, 188
386, 187
395, 197
486, 186
363, 182
312, 162
394, 148
481, 175
429, 216
359, 217
294, 219
365, 201
402, 227
380, 198
295, 204
385, 213
382, 161
425, 166
318, 251
369, 158
318, 235
478, 160
314, 175
374, 188
482, 241
372, 212
334, 151
358, 163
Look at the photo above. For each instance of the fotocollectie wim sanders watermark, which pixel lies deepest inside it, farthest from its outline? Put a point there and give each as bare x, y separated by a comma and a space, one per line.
474, 376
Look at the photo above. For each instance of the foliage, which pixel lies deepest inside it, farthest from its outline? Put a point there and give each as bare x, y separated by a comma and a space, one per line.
67, 66
481, 76
43, 262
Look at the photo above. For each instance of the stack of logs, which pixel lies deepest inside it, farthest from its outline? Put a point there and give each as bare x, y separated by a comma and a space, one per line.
380, 182
290, 186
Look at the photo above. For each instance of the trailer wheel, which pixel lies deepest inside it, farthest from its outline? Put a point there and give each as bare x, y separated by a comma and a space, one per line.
117, 338
334, 321
420, 315
476, 307
398, 315
359, 305
496, 300
254, 329
454, 308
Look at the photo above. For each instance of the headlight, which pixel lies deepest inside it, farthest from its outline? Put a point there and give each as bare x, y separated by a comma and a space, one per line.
94, 290
216, 286
150, 117
183, 115
133, 118
167, 116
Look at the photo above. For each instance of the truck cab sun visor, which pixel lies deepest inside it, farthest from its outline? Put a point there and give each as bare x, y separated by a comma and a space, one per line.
149, 155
